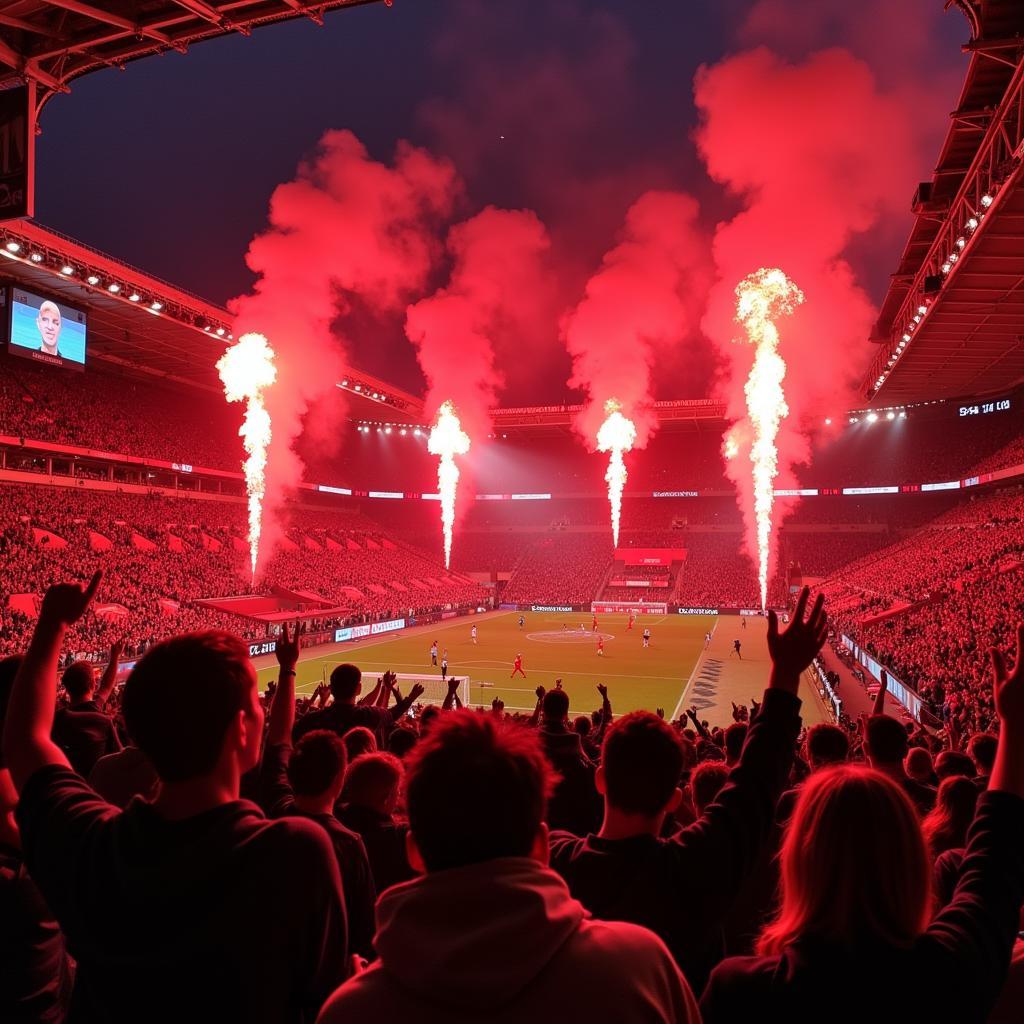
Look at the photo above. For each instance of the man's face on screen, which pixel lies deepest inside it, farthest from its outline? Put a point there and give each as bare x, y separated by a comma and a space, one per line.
48, 323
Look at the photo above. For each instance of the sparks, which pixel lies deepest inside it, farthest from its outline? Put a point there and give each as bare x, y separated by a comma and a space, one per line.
616, 435
447, 439
246, 369
762, 298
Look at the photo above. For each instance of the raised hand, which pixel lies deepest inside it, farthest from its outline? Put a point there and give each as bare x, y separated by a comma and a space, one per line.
453, 684
660, 713
1008, 687
795, 649
558, 684
66, 603
603, 690
540, 691
416, 690
116, 649
287, 649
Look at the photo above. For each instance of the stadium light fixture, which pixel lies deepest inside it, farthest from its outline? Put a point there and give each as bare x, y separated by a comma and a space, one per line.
890, 415
156, 305
13, 247
36, 257
67, 270
93, 279
872, 417
220, 332
344, 383
387, 430
903, 414
961, 242
403, 431
358, 387
134, 297
986, 200
972, 224
113, 287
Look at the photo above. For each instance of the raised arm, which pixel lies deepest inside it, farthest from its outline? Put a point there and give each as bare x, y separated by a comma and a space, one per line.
27, 744
106, 687
974, 934
282, 707
414, 694
606, 713
535, 717
883, 685
736, 826
452, 696
371, 699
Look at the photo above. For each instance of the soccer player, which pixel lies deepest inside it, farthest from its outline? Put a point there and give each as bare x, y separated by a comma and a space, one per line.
472, 633
736, 650
518, 667
632, 619
522, 622
707, 639
594, 626
433, 653
444, 667
647, 637
743, 621
600, 646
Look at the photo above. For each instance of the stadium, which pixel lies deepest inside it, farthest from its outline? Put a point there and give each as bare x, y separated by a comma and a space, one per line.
546, 537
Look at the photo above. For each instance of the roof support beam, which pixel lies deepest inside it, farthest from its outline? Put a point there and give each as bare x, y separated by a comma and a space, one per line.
97, 14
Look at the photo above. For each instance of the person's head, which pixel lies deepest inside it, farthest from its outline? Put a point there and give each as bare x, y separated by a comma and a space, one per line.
48, 324
953, 762
708, 751
706, 782
982, 748
78, 681
885, 742
581, 725
374, 781
735, 737
477, 789
316, 767
826, 745
641, 764
945, 826
359, 740
346, 682
401, 741
192, 706
919, 765
428, 716
854, 868
555, 706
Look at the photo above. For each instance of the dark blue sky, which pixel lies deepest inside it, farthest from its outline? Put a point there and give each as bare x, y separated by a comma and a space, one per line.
170, 164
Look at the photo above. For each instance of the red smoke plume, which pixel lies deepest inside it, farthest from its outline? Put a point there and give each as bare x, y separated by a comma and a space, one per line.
817, 154
347, 227
647, 296
497, 275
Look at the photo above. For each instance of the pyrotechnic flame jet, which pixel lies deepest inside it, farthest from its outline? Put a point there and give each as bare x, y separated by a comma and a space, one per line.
246, 369
616, 435
761, 299
447, 439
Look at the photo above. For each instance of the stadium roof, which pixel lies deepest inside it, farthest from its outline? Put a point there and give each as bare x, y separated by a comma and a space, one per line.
52, 42
952, 322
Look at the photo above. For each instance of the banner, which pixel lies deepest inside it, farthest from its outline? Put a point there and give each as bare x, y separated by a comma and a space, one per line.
638, 583
17, 152
650, 556
262, 647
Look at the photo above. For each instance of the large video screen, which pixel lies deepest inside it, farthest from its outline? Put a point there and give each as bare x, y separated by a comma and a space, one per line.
45, 330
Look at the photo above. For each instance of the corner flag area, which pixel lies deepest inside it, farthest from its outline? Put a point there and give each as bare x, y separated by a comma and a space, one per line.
674, 673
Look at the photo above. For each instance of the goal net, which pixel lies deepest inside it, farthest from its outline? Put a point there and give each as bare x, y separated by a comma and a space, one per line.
637, 607
434, 688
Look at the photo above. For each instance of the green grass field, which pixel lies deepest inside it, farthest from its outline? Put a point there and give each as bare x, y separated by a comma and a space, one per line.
636, 678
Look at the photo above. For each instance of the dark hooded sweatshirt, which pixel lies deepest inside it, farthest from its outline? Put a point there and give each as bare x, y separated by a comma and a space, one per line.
221, 916
503, 941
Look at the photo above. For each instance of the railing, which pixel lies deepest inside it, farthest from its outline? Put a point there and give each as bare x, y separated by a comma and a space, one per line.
997, 160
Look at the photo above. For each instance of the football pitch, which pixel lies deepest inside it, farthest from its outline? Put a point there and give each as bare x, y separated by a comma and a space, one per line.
674, 673
552, 646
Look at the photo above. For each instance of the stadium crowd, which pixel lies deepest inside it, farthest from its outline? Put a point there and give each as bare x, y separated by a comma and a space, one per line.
357, 855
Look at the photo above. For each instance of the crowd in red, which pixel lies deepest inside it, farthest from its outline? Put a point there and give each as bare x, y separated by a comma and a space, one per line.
425, 863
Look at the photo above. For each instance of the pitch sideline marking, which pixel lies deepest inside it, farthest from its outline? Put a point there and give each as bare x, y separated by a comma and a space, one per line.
700, 661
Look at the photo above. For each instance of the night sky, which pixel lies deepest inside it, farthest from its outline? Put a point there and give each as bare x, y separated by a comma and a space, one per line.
169, 165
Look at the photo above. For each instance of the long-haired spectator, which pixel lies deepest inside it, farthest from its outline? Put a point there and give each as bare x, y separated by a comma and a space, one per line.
945, 827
